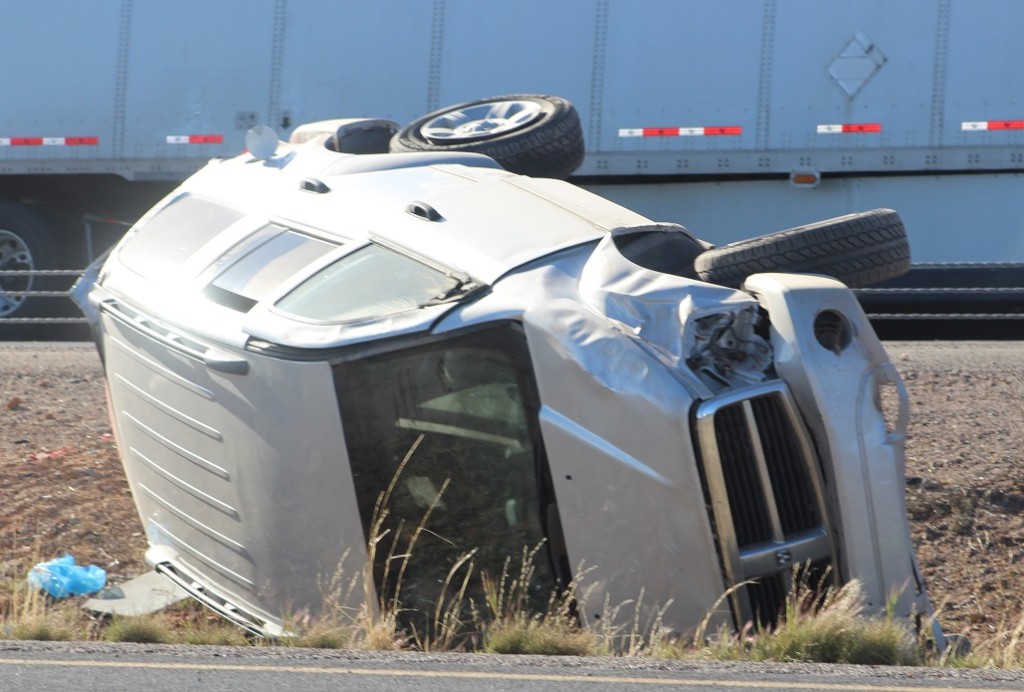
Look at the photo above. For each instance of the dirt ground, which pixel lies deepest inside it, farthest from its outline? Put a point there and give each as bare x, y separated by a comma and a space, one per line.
965, 478
62, 489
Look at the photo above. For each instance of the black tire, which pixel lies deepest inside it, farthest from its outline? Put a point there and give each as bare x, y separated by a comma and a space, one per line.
857, 249
549, 145
25, 245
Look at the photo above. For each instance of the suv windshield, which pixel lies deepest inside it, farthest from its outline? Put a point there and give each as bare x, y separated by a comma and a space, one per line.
369, 283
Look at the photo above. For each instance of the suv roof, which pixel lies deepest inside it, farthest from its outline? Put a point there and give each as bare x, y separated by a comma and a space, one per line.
459, 211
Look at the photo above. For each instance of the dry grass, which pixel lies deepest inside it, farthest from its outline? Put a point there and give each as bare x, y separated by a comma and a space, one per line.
30, 614
1005, 649
540, 634
505, 623
510, 628
144, 629
836, 633
192, 623
832, 632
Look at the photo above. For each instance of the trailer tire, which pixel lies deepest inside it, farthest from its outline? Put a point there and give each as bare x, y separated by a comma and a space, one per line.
529, 134
857, 249
25, 245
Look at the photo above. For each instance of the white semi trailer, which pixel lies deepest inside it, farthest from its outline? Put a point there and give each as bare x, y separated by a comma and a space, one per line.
731, 117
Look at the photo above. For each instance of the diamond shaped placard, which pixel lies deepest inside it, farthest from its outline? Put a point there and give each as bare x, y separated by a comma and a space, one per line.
856, 63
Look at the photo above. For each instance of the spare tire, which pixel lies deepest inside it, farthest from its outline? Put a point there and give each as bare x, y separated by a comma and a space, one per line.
857, 249
530, 134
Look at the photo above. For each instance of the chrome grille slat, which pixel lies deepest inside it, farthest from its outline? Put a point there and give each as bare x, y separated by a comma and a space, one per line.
749, 513
766, 495
763, 473
810, 547
791, 485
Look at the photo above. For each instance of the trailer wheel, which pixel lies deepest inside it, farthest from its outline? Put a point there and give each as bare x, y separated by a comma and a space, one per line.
24, 246
530, 134
857, 249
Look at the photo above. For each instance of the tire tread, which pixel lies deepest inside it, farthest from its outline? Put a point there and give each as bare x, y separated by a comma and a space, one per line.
857, 249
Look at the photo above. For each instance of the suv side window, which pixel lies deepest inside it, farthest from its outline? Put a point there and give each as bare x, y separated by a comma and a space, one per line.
471, 403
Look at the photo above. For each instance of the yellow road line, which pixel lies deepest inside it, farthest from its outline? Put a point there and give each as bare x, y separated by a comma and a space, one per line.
478, 675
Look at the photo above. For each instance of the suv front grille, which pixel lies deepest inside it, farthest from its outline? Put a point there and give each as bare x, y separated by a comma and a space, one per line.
766, 495
750, 516
787, 467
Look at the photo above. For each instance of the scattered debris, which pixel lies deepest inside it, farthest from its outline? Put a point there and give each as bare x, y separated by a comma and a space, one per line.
61, 577
148, 593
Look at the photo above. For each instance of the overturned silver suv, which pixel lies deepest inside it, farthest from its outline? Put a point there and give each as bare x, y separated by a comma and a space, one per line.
513, 364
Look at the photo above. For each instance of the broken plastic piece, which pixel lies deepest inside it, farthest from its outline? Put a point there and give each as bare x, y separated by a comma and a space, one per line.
147, 593
61, 577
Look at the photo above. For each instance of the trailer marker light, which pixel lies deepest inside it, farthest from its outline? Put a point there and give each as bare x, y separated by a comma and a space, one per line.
849, 128
987, 125
195, 139
48, 141
804, 178
716, 131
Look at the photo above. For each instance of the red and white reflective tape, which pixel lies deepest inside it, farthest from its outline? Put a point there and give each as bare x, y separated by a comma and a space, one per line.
49, 141
718, 131
195, 139
986, 125
849, 128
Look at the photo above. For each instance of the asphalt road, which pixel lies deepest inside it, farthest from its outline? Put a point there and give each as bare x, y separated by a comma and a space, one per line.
77, 667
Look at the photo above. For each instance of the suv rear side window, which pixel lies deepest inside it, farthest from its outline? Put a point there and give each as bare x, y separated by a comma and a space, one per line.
471, 404
262, 261
369, 283
160, 246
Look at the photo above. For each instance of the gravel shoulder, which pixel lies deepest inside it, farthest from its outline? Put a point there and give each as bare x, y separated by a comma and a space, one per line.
62, 488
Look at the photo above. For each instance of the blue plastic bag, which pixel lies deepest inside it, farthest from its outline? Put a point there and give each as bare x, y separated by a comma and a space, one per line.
61, 577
